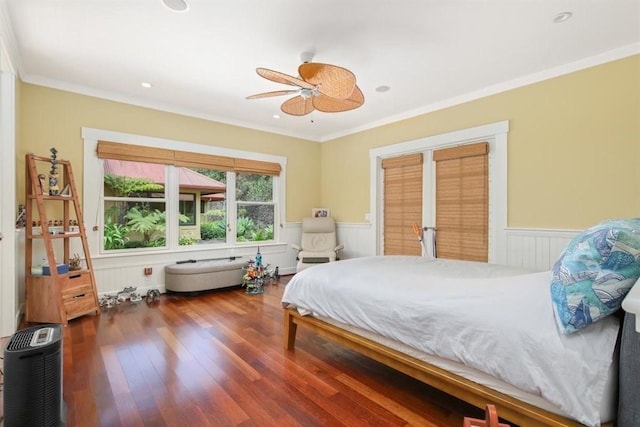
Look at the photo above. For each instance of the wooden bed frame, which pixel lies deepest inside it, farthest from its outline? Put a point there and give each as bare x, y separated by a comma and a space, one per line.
478, 395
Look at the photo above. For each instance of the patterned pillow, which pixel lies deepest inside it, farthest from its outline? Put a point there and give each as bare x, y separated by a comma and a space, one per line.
595, 272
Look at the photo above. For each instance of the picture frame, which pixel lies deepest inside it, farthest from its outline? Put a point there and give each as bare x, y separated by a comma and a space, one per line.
320, 213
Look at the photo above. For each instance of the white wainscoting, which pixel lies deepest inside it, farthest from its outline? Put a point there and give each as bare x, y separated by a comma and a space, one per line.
358, 240
114, 273
536, 249
532, 248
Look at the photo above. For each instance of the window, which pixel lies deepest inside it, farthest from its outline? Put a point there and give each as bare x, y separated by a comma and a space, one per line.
157, 197
496, 136
402, 204
134, 205
187, 209
255, 207
462, 202
212, 222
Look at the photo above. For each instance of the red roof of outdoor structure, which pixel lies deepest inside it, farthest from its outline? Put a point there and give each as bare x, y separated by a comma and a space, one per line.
212, 197
155, 172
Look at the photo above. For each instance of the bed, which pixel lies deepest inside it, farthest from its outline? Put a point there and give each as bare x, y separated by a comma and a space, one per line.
483, 333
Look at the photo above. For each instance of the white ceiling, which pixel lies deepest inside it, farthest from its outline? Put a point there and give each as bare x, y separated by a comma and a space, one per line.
432, 53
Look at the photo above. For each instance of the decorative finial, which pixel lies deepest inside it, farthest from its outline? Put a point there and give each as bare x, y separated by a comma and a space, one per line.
53, 174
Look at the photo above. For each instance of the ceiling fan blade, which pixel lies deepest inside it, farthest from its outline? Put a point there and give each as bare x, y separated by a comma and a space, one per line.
278, 77
274, 93
332, 105
333, 81
297, 106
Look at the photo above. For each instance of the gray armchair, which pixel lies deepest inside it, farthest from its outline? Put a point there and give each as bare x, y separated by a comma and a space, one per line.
318, 244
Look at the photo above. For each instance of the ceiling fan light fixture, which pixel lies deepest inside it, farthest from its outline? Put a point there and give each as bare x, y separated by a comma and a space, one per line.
176, 5
323, 87
308, 93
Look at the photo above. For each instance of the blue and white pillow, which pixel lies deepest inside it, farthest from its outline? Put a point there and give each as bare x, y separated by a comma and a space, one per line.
595, 273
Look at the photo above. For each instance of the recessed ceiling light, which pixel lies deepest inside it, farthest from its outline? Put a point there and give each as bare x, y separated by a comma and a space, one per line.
383, 88
146, 85
561, 17
276, 116
176, 5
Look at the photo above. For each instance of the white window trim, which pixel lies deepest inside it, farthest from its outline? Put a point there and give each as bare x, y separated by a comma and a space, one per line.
12, 271
495, 134
93, 181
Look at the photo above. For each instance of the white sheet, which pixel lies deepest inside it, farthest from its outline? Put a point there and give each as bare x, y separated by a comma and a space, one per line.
500, 322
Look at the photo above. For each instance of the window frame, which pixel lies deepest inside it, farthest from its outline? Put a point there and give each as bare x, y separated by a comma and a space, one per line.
496, 134
93, 201
195, 208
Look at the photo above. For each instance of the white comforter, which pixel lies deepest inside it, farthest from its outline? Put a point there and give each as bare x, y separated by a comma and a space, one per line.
494, 319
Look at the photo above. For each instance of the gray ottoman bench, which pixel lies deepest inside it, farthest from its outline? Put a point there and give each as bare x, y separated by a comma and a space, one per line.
203, 275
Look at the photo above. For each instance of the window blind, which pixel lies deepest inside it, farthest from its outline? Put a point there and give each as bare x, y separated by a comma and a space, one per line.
462, 202
402, 204
136, 153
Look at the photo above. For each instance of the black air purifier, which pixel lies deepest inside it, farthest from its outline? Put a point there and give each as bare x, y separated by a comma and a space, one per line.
33, 378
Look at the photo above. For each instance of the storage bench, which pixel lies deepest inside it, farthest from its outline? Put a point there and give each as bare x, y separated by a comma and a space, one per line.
203, 275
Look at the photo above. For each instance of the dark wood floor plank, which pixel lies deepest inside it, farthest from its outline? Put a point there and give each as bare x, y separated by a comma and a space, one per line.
218, 359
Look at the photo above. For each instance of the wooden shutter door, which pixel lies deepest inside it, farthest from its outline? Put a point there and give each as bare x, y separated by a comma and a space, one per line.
402, 204
462, 202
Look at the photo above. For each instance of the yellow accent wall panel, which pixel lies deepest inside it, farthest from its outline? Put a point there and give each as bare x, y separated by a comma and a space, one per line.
574, 148
54, 118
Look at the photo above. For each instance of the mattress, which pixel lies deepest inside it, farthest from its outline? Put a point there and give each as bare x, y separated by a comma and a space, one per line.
491, 324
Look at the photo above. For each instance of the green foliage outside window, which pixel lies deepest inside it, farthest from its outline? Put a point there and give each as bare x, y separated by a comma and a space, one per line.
255, 207
124, 218
130, 224
213, 230
147, 222
115, 236
125, 186
253, 187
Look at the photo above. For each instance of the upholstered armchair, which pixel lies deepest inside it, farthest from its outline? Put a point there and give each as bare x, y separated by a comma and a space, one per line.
318, 244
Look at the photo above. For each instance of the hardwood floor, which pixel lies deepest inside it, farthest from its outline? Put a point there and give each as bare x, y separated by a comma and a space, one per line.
218, 359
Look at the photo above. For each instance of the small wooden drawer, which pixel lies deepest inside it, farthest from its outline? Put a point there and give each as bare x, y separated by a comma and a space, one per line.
80, 304
72, 292
75, 279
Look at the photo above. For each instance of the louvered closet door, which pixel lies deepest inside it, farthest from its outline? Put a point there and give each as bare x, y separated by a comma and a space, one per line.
402, 204
462, 202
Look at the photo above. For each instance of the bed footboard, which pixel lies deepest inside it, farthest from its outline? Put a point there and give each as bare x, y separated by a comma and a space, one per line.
478, 395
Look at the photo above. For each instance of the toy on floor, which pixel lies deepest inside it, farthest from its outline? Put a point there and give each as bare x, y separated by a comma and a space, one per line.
125, 294
153, 295
108, 301
135, 297
130, 294
257, 274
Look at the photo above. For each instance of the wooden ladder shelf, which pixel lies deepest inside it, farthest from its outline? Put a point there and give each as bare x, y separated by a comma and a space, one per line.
55, 294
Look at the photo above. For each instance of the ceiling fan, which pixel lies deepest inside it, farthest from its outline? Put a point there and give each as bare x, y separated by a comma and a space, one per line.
323, 87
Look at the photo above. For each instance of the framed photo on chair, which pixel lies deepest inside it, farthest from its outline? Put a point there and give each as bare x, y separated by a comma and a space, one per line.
320, 213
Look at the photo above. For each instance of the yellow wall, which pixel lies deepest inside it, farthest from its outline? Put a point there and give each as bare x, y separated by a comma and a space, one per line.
574, 149
574, 145
54, 118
